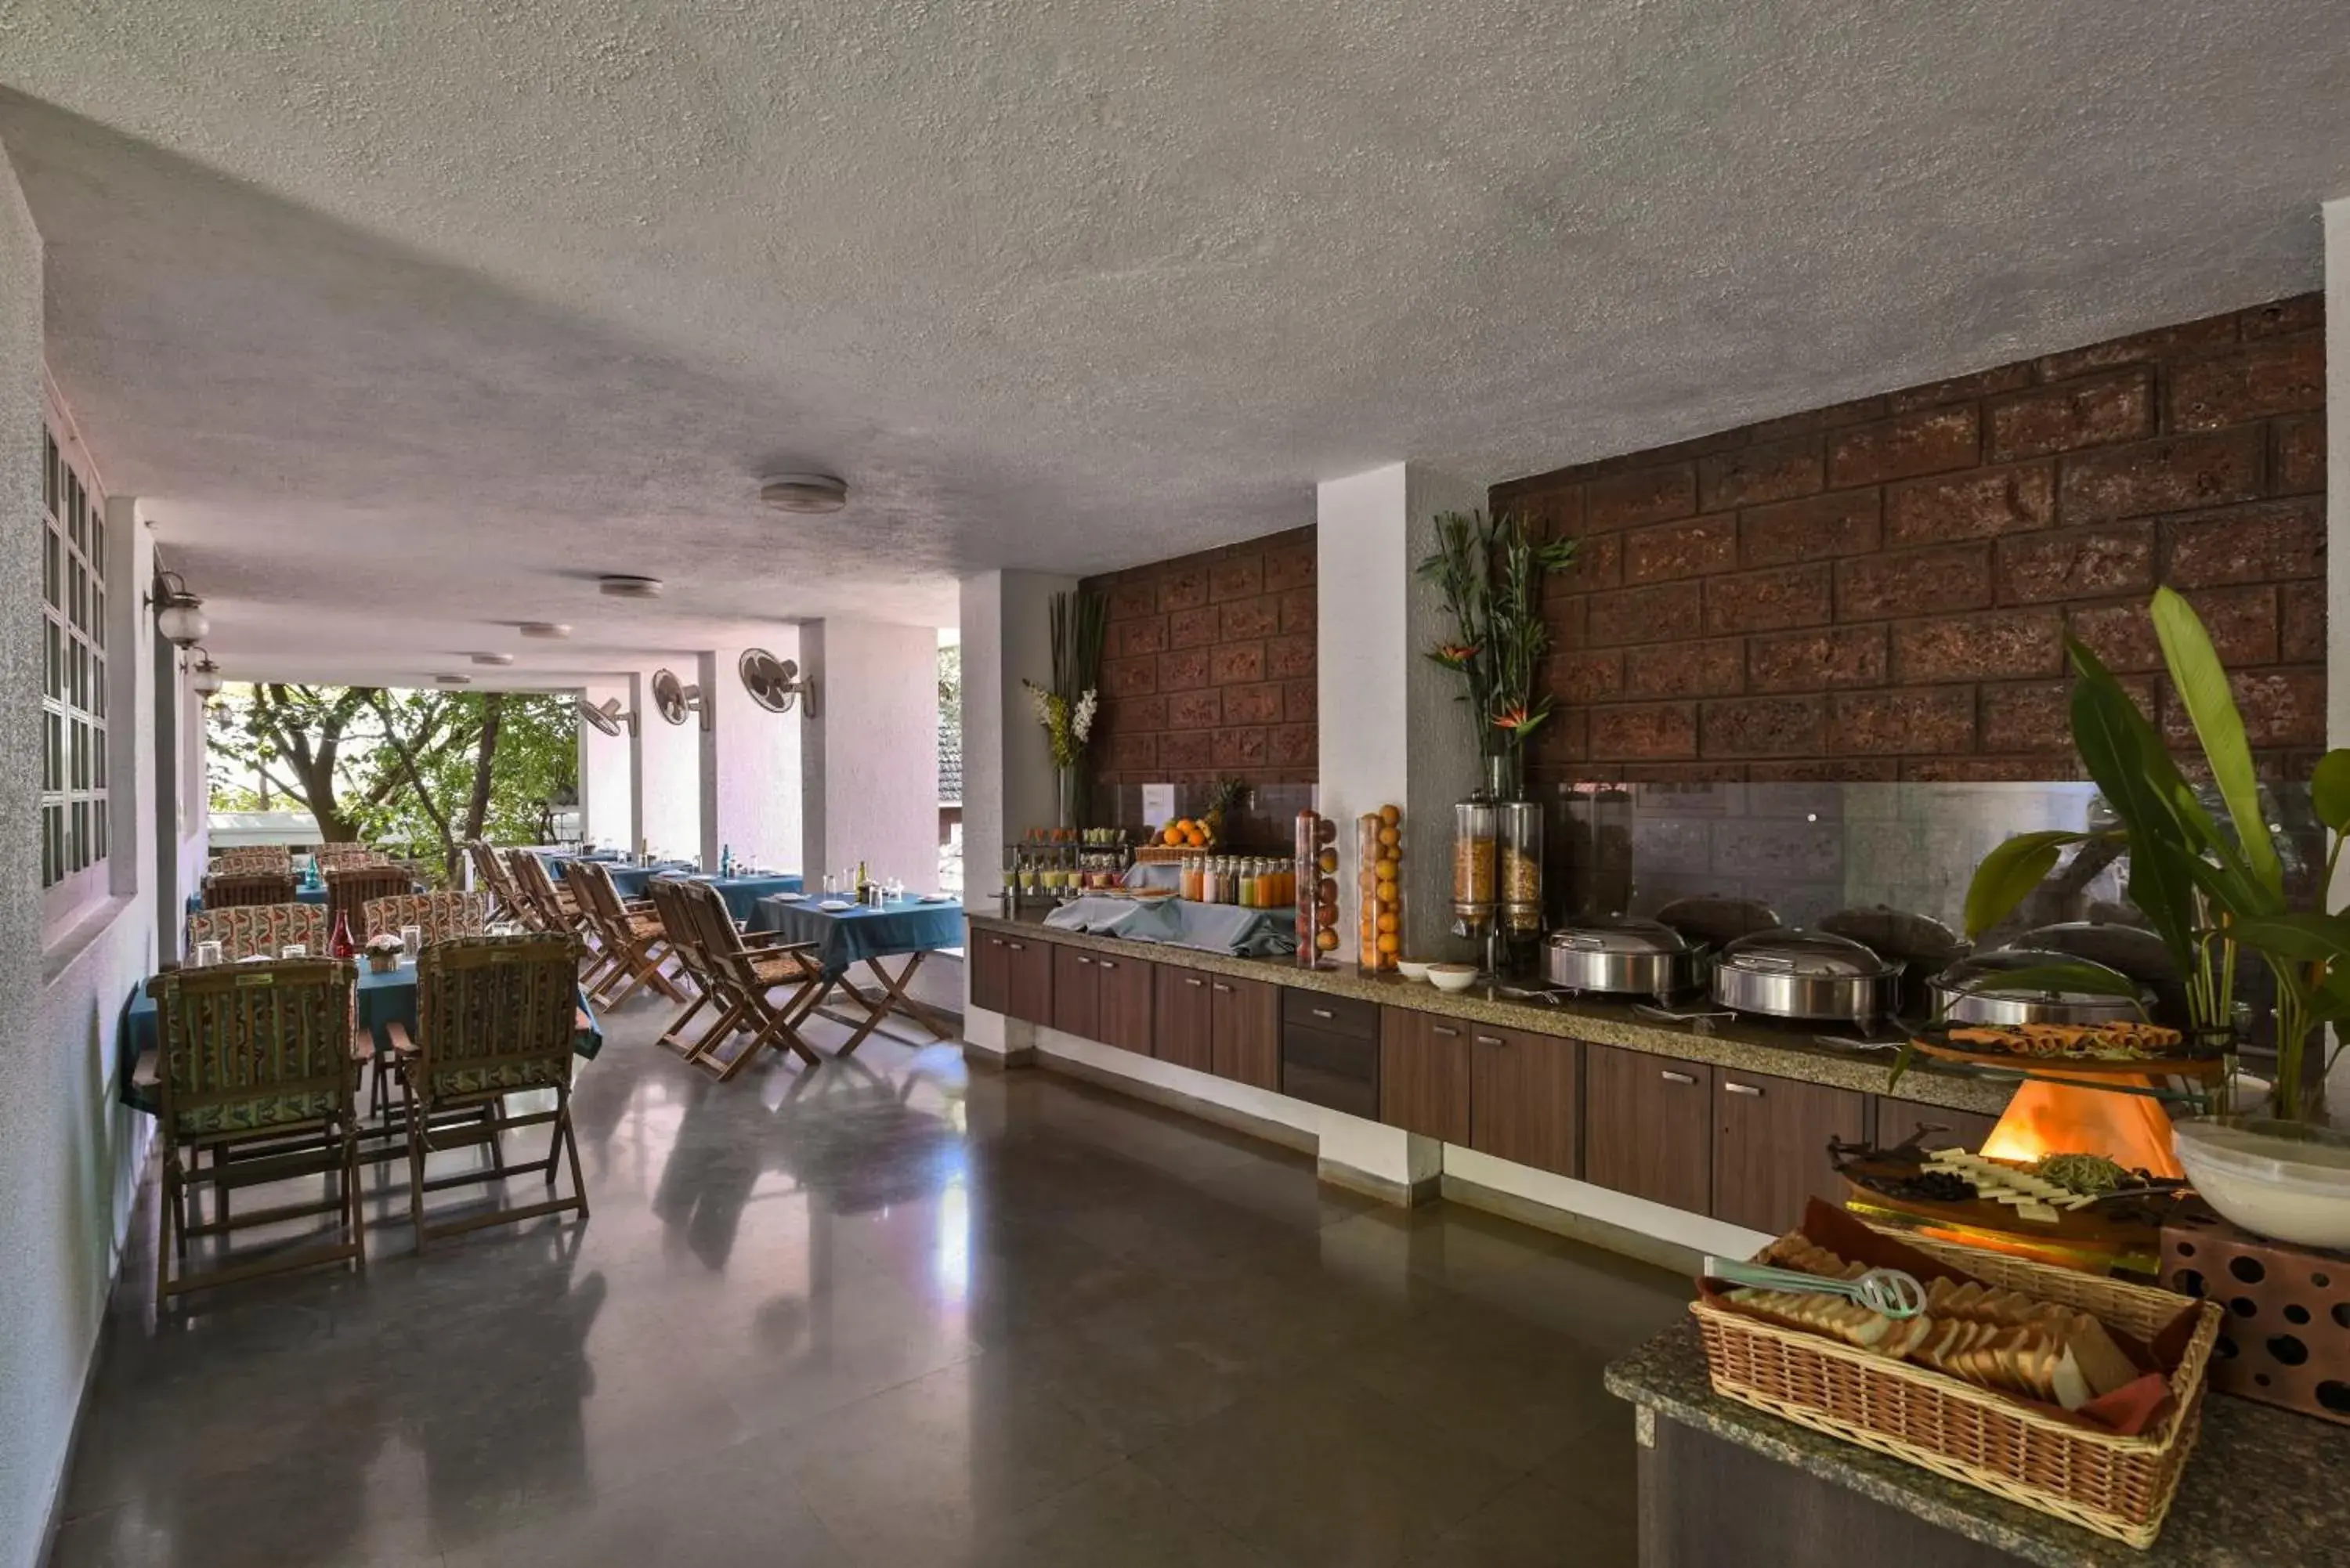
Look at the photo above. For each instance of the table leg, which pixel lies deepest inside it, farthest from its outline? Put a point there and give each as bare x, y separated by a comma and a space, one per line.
893, 999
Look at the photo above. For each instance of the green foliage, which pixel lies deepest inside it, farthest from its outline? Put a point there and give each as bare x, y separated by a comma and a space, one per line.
1491, 572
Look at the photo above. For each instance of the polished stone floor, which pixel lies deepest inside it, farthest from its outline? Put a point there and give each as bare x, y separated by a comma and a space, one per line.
886, 1311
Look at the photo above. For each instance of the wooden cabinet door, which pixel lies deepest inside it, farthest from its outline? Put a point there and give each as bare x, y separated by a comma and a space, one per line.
1771, 1149
1028, 980
1124, 1011
1523, 1104
1424, 1074
1245, 1031
1185, 1025
1648, 1127
1076, 997
990, 969
1898, 1119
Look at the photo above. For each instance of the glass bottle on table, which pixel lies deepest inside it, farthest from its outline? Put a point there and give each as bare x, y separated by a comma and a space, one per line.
341, 944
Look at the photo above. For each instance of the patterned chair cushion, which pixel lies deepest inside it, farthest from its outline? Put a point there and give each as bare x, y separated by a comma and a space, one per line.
497, 1013
440, 916
252, 1048
267, 929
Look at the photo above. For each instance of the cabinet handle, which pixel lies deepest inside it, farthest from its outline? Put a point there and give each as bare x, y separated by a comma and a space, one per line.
1321, 1013
1105, 963
1083, 959
1017, 947
1194, 982
1485, 1039
1742, 1088
1670, 1076
1444, 1029
1222, 987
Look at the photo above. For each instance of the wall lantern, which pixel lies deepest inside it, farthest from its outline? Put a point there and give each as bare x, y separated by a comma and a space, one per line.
179, 613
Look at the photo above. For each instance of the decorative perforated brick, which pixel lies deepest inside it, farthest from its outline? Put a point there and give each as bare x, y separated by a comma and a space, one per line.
2286, 1340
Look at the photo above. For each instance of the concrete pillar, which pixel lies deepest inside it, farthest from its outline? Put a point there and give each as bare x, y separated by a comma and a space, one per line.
606, 796
752, 763
1390, 728
665, 771
870, 760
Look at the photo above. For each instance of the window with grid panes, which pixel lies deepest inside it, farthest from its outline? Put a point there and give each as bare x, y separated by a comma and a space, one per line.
73, 683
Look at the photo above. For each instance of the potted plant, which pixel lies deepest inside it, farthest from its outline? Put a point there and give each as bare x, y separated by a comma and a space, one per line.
1067, 707
383, 953
1491, 572
2208, 888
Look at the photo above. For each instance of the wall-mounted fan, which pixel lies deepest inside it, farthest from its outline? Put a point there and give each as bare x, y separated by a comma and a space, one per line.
773, 682
674, 700
608, 716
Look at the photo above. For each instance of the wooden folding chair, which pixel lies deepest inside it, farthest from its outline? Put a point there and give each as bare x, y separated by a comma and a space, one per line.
683, 929
494, 881
255, 1061
557, 910
351, 888
437, 917
260, 931
234, 890
494, 1017
748, 971
631, 933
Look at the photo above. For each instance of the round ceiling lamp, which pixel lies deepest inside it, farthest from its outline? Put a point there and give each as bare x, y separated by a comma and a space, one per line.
621, 585
454, 680
803, 491
551, 630
500, 658
179, 613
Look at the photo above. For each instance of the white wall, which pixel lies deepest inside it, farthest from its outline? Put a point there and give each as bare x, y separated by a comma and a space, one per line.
665, 769
869, 761
608, 806
750, 764
1008, 771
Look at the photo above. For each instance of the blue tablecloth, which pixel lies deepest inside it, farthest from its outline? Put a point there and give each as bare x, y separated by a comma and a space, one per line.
742, 893
381, 1001
628, 881
1180, 922
845, 936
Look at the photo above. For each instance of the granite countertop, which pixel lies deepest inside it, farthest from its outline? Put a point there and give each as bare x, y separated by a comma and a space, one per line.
2264, 1488
1786, 1051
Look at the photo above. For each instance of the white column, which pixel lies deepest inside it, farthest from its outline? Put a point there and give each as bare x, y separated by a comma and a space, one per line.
1391, 731
665, 771
607, 809
870, 760
750, 764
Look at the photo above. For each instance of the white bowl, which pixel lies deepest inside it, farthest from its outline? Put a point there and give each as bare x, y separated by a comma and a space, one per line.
2284, 1180
1452, 976
1412, 969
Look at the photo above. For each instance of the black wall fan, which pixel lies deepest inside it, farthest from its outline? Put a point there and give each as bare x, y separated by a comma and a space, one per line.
773, 682
674, 700
608, 716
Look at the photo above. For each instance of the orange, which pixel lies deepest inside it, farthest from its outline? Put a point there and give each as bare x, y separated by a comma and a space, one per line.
1387, 920
1172, 836
1388, 943
1390, 815
1325, 941
1389, 837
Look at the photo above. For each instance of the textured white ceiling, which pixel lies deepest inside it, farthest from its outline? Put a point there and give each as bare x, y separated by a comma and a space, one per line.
410, 317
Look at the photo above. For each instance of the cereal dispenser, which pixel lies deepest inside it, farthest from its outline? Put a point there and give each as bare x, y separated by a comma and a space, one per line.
1474, 830
1518, 882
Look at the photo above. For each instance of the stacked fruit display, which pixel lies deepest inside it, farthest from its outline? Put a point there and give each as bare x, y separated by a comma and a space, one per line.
1378, 848
1317, 876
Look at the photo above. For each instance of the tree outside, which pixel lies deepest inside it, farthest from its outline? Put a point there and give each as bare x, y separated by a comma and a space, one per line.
417, 772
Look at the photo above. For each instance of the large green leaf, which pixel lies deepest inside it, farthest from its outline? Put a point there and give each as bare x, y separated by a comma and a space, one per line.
2202, 681
2302, 937
2107, 731
2329, 790
2009, 874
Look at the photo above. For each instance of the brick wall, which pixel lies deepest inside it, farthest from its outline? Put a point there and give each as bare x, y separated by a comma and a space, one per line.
1208, 668
1880, 589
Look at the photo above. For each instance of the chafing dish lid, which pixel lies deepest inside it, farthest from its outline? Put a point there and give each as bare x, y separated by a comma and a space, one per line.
1811, 955
1626, 936
1982, 974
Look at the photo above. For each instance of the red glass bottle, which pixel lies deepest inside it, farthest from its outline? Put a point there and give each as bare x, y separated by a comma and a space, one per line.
341, 944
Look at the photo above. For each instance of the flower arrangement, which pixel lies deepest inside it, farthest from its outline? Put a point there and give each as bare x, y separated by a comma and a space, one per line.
1067, 707
1068, 726
1491, 572
383, 951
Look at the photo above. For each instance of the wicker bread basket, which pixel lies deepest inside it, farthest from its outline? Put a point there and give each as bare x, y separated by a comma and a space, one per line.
2117, 1486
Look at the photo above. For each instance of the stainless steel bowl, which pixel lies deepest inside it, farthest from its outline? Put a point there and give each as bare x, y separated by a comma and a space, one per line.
1977, 990
1619, 955
1805, 974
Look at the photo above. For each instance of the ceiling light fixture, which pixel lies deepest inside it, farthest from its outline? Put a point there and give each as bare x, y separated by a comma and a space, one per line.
454, 680
620, 585
551, 629
492, 658
803, 491
179, 613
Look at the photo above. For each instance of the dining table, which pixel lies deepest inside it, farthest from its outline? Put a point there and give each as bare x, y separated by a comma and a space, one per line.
304, 892
629, 880
847, 934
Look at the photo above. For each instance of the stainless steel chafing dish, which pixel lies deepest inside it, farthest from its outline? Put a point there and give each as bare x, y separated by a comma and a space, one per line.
1794, 973
1977, 990
1619, 955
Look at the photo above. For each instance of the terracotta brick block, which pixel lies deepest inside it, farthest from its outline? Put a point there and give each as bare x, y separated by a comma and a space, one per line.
1815, 660
1763, 727
1642, 495
2002, 646
1750, 476
1128, 638
1182, 752
1928, 442
1290, 565
2302, 614
1133, 599
1914, 582
1236, 576
1183, 670
1982, 384
2168, 475
2091, 411
2299, 465
2158, 344
1563, 740
1298, 610
1937, 720
1771, 601
2301, 313
1257, 704
1657, 614
1834, 417
1138, 713
1129, 677
2275, 376
1550, 512
1569, 622
1240, 748
1589, 677
1130, 753
1295, 746
1183, 588
1237, 664
1712, 669
1645, 731
1598, 564
1681, 550
2274, 542
1195, 710
2243, 623
1300, 702
1244, 619
2070, 564
1194, 628
2280, 708
1842, 523
1974, 505
1289, 657
2031, 716
2121, 635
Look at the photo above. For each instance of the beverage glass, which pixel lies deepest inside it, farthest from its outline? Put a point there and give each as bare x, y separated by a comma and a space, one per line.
208, 953
411, 941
